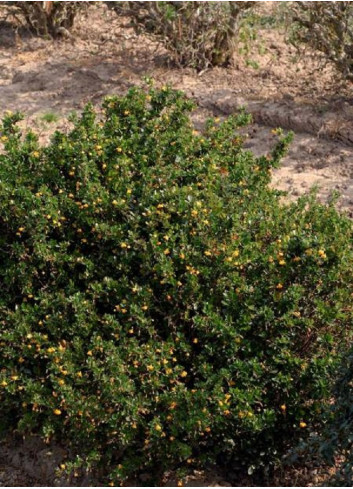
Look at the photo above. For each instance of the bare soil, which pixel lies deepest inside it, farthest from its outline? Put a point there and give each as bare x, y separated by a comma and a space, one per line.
41, 77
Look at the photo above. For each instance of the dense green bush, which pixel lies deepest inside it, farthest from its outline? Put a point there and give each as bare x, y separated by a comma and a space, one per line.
49, 19
326, 27
336, 442
197, 34
333, 444
159, 305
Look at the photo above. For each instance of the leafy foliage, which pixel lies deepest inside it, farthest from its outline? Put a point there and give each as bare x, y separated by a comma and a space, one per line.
197, 34
328, 28
333, 445
159, 304
338, 436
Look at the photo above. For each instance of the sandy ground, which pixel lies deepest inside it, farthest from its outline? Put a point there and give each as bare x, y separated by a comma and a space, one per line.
41, 77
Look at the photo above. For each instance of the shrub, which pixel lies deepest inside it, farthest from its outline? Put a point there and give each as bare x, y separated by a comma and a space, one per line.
49, 19
197, 34
328, 28
159, 304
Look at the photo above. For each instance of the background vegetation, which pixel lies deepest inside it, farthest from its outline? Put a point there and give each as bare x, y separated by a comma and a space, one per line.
197, 34
48, 19
328, 28
205, 34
